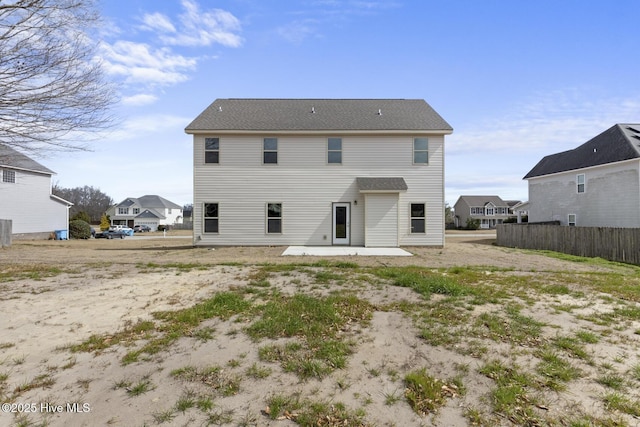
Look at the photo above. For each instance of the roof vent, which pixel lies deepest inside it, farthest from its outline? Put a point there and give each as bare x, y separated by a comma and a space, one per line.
313, 110
379, 111
220, 108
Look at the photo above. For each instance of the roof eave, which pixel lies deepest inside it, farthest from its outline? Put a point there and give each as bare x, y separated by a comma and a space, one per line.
320, 132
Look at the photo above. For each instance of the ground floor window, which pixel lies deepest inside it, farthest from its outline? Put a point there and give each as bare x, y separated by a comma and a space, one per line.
572, 220
274, 217
211, 217
417, 218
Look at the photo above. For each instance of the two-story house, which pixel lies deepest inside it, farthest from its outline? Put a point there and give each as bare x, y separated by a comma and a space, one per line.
361, 172
26, 198
594, 185
150, 210
488, 210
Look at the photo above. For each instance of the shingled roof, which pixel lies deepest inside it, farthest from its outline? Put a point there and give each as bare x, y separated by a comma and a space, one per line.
278, 115
11, 158
618, 143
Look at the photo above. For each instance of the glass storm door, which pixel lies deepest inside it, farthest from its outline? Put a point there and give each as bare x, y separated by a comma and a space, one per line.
341, 222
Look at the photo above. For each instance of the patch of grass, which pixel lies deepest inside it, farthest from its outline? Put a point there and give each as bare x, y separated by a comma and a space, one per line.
425, 393
315, 322
515, 328
613, 381
142, 386
163, 416
181, 266
555, 371
212, 376
258, 372
422, 281
313, 413
587, 337
618, 402
511, 398
573, 346
12, 272
185, 402
40, 381
96, 343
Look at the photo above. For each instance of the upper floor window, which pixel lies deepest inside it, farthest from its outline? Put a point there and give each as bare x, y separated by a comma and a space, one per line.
9, 176
270, 150
489, 210
420, 151
123, 211
212, 150
274, 217
580, 183
210, 217
136, 211
334, 150
417, 218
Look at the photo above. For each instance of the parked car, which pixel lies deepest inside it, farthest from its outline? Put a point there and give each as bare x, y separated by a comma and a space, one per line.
111, 234
126, 230
141, 228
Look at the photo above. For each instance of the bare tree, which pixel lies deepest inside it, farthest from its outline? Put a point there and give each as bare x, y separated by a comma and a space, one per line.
52, 87
86, 199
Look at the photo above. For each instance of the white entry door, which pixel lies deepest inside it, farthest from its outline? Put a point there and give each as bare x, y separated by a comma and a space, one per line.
341, 224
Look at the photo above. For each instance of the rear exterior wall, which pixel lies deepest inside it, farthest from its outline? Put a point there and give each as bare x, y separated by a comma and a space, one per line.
306, 186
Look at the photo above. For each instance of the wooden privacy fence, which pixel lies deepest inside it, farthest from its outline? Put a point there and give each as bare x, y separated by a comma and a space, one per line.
613, 244
5, 232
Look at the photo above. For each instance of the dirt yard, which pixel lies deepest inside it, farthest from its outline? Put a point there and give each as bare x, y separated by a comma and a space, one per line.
151, 331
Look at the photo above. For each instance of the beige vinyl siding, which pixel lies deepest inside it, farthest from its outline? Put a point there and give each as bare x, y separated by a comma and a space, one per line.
381, 220
307, 186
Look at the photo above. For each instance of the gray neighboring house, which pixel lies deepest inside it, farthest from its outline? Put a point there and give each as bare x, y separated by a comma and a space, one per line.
150, 210
26, 198
489, 210
352, 172
594, 185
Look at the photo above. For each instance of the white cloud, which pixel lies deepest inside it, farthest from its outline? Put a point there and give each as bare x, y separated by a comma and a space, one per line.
549, 123
139, 100
197, 27
159, 22
140, 63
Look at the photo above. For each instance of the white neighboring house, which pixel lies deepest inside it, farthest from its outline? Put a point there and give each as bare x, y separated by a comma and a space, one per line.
594, 185
26, 198
359, 172
148, 210
488, 210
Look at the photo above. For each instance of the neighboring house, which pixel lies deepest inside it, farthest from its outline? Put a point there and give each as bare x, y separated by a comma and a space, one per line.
146, 210
364, 172
488, 210
594, 185
26, 198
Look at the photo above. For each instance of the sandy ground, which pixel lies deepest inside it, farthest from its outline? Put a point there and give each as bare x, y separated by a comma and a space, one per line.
104, 286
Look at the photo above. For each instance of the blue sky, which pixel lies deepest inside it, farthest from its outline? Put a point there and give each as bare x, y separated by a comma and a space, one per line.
517, 80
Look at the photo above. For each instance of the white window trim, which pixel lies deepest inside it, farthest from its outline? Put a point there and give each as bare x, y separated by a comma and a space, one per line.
211, 151
334, 151
5, 172
575, 220
584, 183
423, 218
204, 218
266, 218
413, 151
270, 151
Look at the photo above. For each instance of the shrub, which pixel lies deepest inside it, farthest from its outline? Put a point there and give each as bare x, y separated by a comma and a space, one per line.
82, 216
79, 229
473, 224
105, 222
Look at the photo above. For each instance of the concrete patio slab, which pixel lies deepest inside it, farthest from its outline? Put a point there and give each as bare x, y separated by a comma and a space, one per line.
343, 251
